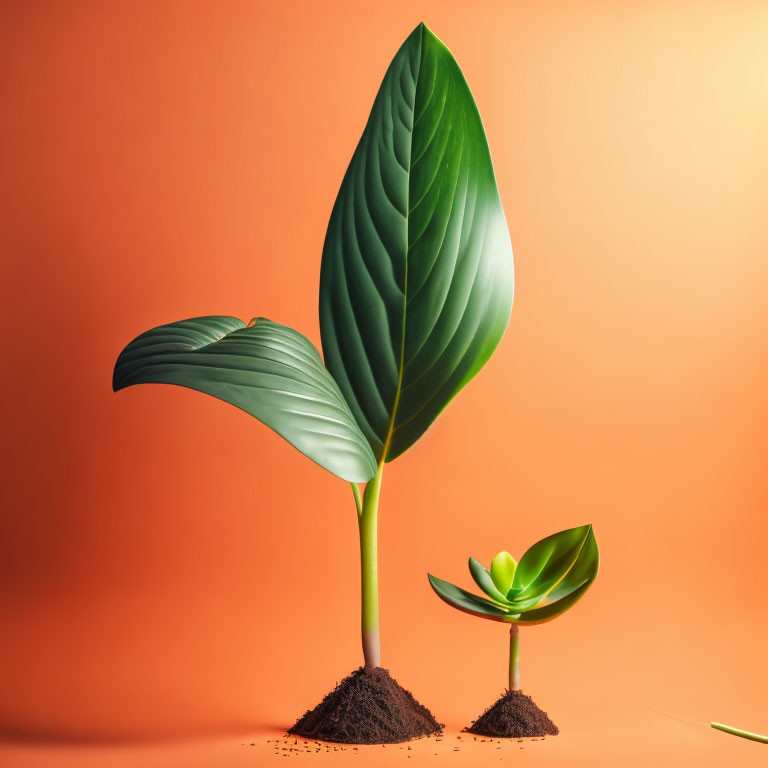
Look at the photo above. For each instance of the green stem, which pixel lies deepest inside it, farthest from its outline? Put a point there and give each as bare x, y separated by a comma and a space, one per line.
514, 658
358, 500
738, 732
369, 580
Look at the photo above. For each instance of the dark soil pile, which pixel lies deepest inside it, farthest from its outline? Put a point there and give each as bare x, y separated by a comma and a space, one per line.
514, 715
368, 707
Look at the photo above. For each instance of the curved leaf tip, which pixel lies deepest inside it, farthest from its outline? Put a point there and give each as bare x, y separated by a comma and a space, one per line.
466, 601
267, 370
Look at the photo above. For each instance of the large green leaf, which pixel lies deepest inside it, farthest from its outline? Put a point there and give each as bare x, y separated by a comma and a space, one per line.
269, 371
417, 278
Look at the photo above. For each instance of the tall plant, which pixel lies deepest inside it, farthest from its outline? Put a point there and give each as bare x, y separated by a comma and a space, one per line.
416, 290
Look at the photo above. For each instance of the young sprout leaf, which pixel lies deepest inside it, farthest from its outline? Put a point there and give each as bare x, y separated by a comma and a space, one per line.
485, 582
269, 371
466, 601
503, 568
569, 590
582, 571
550, 578
546, 603
547, 562
416, 281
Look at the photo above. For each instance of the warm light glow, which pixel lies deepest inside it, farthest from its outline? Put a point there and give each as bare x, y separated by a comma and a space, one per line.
169, 565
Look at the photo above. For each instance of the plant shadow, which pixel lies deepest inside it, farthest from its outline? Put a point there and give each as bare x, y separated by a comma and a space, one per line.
84, 738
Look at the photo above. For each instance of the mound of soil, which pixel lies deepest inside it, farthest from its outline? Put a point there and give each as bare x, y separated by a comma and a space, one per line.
368, 707
514, 715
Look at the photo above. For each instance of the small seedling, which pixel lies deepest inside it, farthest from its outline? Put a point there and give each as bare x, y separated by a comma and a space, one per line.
550, 578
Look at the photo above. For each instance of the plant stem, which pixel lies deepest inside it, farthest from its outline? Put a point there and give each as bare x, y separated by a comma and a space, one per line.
738, 732
514, 658
369, 580
358, 499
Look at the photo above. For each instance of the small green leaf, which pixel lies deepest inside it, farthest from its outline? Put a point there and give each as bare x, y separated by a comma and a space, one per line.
503, 568
568, 590
271, 372
582, 571
467, 602
485, 582
550, 578
547, 561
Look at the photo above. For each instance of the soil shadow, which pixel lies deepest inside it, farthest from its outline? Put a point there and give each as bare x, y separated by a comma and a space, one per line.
80, 738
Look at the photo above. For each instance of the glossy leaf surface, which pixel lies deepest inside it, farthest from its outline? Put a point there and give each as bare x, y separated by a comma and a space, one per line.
547, 561
483, 580
503, 568
568, 590
466, 601
546, 611
269, 371
417, 278
558, 571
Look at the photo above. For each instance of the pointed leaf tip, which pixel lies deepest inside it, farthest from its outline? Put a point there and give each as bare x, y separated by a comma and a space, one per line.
466, 601
555, 573
417, 279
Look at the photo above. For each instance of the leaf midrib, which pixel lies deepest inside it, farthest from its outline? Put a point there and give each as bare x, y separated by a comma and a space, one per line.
401, 363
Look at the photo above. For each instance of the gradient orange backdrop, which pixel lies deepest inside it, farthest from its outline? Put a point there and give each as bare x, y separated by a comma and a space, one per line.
170, 568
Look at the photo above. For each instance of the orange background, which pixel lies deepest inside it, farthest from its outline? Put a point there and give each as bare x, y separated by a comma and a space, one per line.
170, 570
